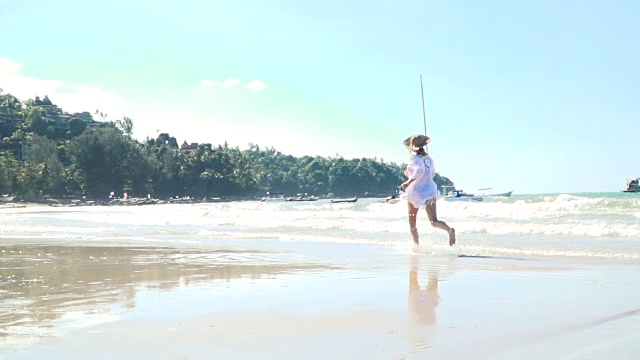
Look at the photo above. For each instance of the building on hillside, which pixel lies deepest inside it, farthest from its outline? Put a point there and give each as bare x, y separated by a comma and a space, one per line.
84, 116
50, 109
187, 146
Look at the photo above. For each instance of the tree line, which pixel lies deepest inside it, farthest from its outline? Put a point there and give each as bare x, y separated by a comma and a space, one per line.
46, 152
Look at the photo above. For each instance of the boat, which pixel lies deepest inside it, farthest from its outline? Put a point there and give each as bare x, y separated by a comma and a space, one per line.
127, 201
303, 197
6, 198
338, 201
274, 197
393, 199
504, 194
632, 186
459, 195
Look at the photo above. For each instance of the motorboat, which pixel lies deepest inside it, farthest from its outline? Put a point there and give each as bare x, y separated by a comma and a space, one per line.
303, 197
632, 186
338, 201
393, 199
274, 197
459, 195
6, 198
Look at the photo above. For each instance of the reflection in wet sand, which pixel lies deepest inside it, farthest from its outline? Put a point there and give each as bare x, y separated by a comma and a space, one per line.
423, 302
422, 306
46, 287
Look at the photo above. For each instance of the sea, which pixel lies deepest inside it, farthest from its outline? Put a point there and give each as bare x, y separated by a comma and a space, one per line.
67, 272
564, 225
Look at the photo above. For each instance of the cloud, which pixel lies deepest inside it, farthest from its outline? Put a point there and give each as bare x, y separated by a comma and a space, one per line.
7, 66
231, 82
224, 84
256, 85
71, 98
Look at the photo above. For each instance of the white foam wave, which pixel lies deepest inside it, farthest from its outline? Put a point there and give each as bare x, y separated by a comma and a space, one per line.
369, 221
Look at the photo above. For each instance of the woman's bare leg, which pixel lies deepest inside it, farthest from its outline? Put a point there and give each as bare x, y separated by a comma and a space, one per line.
413, 212
433, 218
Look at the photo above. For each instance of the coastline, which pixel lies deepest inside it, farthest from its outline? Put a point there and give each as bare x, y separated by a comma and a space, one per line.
249, 299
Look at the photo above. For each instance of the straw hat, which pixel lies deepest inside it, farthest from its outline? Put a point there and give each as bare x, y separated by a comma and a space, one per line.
415, 142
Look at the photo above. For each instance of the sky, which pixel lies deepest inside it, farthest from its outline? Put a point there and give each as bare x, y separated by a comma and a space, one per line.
533, 96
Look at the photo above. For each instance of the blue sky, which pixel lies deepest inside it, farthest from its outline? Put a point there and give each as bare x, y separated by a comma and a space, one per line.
536, 96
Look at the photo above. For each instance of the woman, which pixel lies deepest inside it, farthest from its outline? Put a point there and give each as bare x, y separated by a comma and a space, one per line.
420, 188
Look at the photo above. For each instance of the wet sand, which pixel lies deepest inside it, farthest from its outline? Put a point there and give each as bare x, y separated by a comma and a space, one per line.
290, 300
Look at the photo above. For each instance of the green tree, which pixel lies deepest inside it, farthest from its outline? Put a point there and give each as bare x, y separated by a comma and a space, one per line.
9, 105
8, 173
109, 161
35, 121
42, 158
76, 127
125, 125
166, 139
29, 180
104, 157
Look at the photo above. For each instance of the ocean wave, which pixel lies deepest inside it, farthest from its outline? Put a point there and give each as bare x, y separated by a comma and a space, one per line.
569, 217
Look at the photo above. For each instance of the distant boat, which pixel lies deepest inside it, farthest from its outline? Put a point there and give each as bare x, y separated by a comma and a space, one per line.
632, 186
338, 201
274, 197
504, 194
301, 197
6, 198
459, 195
393, 199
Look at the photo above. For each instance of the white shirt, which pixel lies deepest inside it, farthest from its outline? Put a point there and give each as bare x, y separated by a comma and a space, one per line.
423, 189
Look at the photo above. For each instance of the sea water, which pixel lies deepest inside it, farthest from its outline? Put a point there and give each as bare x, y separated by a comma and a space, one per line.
578, 225
67, 269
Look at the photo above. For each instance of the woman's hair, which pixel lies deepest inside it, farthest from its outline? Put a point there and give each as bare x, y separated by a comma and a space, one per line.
421, 151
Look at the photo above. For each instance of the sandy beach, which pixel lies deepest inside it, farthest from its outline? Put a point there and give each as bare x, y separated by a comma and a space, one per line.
87, 297
230, 302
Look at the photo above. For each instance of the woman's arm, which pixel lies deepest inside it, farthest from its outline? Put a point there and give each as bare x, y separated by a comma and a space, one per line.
406, 184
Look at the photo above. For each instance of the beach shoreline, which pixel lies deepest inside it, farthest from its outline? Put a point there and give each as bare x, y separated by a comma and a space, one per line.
244, 300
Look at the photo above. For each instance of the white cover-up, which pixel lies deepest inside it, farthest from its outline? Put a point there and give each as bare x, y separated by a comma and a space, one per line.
423, 191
